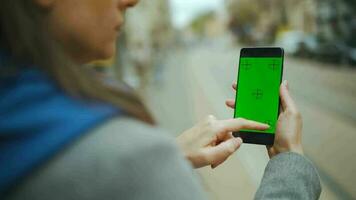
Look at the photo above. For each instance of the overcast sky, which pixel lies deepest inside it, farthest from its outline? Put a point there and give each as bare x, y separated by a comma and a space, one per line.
184, 10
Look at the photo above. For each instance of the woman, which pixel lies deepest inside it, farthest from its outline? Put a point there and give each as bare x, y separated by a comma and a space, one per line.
65, 135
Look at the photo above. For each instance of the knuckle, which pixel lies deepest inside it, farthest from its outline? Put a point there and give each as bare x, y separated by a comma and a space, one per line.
211, 121
241, 120
206, 158
217, 126
211, 117
295, 114
230, 149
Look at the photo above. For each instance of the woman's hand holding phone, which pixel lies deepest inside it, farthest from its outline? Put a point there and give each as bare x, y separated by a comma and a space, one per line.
211, 142
288, 136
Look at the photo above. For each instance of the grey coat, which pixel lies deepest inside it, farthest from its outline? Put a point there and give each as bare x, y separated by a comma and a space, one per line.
125, 159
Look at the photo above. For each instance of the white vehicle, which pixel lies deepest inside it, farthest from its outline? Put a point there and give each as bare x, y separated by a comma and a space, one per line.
297, 43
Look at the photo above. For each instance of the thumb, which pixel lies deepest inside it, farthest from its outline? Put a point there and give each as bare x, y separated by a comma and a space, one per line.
286, 99
218, 154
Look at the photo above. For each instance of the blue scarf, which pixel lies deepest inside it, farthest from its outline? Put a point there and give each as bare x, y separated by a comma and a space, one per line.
37, 119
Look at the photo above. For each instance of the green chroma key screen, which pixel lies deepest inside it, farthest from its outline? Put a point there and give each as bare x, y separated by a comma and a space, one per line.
258, 90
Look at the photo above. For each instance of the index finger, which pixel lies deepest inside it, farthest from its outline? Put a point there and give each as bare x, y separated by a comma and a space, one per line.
232, 125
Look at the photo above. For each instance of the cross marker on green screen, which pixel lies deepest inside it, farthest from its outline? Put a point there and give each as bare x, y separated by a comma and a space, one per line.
273, 66
258, 94
246, 66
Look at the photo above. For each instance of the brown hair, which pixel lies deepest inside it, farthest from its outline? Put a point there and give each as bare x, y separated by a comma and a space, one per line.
24, 34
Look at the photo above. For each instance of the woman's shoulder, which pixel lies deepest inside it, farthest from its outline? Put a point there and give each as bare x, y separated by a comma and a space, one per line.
131, 129
106, 161
129, 133
131, 137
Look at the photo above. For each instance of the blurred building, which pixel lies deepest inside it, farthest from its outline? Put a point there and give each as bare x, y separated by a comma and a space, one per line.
209, 24
243, 18
299, 14
148, 31
334, 19
263, 19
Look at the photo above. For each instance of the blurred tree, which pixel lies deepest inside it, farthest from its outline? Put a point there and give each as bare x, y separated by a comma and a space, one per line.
254, 21
198, 25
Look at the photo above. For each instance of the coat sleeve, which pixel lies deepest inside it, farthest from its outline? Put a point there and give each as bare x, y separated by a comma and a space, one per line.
289, 176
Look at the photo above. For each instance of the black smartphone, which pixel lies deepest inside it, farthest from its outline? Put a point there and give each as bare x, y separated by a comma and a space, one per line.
257, 98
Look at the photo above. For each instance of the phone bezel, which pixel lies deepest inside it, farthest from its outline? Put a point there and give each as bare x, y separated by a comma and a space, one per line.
256, 137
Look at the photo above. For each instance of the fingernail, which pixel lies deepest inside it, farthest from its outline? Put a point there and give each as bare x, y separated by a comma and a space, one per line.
239, 140
287, 84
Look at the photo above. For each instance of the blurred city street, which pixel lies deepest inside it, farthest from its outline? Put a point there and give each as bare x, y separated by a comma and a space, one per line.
184, 60
197, 80
174, 62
